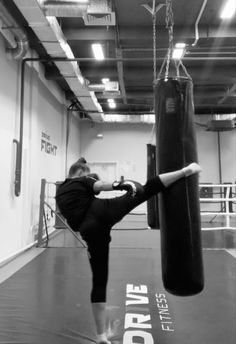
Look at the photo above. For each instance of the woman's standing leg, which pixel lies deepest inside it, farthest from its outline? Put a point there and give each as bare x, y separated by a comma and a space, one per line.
99, 262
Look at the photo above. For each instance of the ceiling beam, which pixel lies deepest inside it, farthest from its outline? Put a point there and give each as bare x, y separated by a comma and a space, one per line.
149, 95
224, 75
145, 33
199, 110
214, 109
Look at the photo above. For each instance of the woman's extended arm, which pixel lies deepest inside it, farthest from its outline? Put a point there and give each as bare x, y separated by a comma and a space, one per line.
102, 186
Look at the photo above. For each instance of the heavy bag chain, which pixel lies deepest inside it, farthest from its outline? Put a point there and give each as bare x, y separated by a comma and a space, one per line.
169, 26
154, 42
154, 11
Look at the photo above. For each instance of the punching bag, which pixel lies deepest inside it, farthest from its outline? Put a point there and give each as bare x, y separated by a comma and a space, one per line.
179, 209
152, 203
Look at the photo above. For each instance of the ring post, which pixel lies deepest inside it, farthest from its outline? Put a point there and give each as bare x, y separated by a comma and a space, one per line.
227, 207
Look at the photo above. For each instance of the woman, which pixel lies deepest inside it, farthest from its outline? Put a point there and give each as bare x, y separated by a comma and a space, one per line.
94, 218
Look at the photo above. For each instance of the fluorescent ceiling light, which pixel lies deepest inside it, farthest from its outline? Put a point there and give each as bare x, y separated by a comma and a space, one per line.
178, 51
111, 103
97, 51
180, 45
77, 1
105, 80
228, 10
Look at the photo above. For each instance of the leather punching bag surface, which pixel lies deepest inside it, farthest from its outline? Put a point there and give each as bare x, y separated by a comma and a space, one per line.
179, 209
152, 203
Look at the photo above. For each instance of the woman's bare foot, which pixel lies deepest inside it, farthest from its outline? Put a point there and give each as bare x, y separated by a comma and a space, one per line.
191, 169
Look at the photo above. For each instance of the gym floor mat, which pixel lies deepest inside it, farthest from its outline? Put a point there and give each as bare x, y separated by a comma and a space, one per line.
47, 301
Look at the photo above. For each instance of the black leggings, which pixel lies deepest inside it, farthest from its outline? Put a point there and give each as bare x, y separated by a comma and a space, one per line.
95, 229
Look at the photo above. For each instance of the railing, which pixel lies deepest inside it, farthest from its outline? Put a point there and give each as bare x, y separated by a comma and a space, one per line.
218, 206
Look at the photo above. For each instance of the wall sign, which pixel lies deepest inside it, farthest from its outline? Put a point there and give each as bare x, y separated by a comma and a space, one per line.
47, 146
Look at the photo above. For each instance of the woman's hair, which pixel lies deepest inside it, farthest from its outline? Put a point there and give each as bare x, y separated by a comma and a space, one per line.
83, 160
78, 166
94, 175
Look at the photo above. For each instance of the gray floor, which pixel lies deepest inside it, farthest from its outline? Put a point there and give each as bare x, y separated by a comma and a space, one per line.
47, 300
121, 238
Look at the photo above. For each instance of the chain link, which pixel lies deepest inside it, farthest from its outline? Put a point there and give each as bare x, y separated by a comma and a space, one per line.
154, 42
170, 27
155, 10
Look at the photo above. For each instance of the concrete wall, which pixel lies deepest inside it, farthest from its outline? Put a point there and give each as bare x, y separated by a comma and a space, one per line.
126, 144
121, 143
44, 149
209, 157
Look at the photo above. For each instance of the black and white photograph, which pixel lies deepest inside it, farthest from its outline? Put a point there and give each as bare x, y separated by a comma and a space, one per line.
118, 172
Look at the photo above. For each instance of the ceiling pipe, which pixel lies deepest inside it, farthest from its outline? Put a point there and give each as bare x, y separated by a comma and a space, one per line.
197, 22
9, 37
11, 26
21, 50
212, 53
114, 59
206, 109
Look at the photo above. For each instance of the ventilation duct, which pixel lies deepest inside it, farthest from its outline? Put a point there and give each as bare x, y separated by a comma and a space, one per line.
222, 123
59, 8
93, 12
100, 13
49, 32
131, 119
15, 36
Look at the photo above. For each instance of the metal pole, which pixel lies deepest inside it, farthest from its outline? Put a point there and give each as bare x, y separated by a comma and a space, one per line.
41, 212
227, 207
197, 22
111, 59
220, 168
68, 123
20, 142
219, 157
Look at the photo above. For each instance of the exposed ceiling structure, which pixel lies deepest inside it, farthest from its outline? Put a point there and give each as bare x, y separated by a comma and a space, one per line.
124, 28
